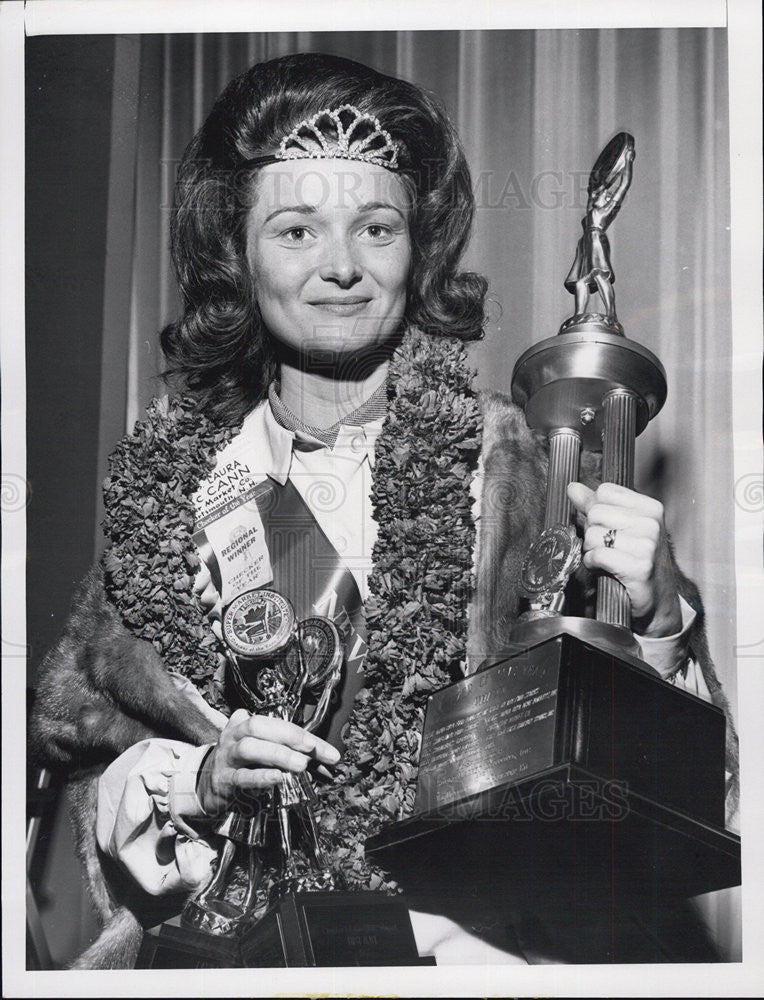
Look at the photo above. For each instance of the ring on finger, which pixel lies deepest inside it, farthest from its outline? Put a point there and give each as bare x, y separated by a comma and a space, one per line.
609, 538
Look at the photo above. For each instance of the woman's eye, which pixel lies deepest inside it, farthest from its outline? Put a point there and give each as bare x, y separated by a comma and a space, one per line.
378, 233
298, 234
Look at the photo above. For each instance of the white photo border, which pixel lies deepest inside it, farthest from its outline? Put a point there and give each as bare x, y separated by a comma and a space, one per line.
742, 18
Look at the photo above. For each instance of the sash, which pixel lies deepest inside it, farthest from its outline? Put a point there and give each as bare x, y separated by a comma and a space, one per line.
268, 536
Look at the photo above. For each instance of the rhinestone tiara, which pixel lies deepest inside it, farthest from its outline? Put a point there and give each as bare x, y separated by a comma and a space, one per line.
336, 133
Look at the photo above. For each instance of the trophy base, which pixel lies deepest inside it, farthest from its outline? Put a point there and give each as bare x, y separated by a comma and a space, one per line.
613, 639
560, 838
565, 776
218, 918
304, 929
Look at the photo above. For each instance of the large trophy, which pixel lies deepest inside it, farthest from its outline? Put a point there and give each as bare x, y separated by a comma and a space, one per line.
260, 907
565, 769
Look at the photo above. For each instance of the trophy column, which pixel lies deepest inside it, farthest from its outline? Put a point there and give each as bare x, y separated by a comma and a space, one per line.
620, 415
564, 454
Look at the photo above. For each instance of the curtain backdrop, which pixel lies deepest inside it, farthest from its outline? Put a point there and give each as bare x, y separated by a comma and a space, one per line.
533, 109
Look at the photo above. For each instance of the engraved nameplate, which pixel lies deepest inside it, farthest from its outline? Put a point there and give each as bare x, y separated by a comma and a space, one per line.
487, 730
358, 934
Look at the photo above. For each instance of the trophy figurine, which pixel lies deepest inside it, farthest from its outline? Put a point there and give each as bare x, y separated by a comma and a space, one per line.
592, 270
565, 761
278, 666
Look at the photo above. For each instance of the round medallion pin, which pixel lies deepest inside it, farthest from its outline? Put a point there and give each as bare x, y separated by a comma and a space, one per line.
258, 623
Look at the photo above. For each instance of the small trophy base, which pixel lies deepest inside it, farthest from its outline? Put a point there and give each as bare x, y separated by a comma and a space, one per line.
219, 919
173, 947
304, 929
566, 776
331, 929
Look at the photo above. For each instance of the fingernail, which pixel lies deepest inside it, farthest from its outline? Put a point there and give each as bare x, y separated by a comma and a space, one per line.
333, 754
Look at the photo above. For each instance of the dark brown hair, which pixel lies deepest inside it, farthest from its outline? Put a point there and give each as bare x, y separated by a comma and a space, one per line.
219, 347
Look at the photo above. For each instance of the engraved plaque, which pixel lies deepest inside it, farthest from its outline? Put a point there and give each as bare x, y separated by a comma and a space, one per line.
331, 929
358, 934
487, 730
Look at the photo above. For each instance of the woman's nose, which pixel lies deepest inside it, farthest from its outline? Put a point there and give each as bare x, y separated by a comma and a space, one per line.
340, 263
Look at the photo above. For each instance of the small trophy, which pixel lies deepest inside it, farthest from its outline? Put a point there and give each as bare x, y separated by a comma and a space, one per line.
565, 763
288, 669
277, 664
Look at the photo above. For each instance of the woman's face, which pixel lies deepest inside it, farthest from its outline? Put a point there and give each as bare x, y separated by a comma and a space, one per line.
329, 249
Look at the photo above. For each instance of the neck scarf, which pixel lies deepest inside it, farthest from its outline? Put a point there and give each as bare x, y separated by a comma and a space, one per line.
372, 409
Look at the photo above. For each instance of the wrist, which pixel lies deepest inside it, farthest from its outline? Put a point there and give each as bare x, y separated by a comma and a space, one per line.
662, 623
204, 791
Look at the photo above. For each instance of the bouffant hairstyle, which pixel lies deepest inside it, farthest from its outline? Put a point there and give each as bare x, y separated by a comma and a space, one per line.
219, 348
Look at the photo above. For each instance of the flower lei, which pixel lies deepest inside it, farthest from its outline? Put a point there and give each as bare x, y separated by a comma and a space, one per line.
151, 561
416, 612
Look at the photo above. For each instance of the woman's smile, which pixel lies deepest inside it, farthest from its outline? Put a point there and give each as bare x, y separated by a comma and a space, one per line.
346, 305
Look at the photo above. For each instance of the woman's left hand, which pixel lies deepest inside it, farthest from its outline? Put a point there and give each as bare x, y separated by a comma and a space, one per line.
639, 555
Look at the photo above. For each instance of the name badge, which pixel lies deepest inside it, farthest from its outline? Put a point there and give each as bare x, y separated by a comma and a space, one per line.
229, 531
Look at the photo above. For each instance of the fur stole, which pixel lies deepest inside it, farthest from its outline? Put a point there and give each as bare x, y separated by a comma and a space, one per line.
104, 686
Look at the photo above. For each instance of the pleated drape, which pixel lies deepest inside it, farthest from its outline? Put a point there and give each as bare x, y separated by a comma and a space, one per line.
533, 109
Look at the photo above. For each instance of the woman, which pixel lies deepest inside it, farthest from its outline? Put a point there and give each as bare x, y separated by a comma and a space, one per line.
321, 214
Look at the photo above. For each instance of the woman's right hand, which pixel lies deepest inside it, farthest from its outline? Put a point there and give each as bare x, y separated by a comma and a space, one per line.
252, 754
